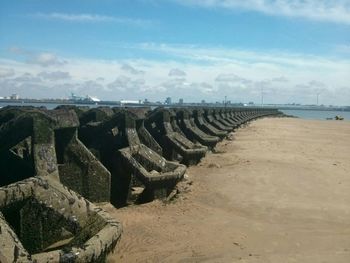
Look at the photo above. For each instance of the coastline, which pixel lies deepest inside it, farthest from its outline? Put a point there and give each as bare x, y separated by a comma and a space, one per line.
277, 192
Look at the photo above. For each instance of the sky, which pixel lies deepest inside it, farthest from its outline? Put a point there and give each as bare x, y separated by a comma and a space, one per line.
291, 51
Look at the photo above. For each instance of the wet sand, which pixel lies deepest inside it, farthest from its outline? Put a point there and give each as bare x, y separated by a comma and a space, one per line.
278, 192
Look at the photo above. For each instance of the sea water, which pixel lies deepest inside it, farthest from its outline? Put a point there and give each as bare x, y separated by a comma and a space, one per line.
49, 106
317, 114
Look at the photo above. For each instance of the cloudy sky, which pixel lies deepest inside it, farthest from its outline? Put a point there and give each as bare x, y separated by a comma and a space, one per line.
289, 50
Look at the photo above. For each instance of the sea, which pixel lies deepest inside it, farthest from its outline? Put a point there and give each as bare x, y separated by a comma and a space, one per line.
317, 114
304, 114
49, 106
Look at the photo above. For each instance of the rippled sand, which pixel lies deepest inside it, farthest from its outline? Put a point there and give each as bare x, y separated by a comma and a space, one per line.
278, 192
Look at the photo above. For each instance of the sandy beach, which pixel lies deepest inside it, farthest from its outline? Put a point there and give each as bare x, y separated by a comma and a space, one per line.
278, 191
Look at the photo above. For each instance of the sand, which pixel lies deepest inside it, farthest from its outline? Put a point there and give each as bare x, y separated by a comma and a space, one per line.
278, 192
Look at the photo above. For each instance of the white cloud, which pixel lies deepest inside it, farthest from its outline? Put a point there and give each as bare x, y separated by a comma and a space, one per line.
54, 75
120, 84
204, 87
40, 58
93, 18
177, 72
233, 78
127, 86
337, 11
45, 59
271, 60
129, 69
26, 78
280, 79
211, 73
6, 72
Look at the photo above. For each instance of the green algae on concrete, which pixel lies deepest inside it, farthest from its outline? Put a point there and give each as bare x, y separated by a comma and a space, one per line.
54, 224
52, 149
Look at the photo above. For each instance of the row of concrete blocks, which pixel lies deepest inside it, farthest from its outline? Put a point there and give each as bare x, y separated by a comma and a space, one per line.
53, 162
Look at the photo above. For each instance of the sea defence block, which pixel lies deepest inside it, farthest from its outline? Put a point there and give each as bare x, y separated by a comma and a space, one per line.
95, 114
48, 176
173, 121
10, 112
140, 114
242, 115
192, 132
245, 115
235, 116
224, 113
216, 113
209, 117
36, 128
176, 147
206, 126
45, 143
79, 169
139, 174
100, 114
43, 221
79, 110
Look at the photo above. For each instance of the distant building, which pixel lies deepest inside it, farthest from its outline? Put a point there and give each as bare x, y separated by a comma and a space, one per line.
168, 101
90, 98
181, 101
203, 101
131, 102
87, 98
14, 97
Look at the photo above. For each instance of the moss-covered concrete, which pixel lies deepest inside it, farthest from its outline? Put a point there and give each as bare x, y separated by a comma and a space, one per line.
42, 212
176, 147
45, 143
192, 132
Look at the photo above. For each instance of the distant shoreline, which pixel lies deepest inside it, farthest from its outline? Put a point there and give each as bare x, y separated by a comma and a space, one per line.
157, 104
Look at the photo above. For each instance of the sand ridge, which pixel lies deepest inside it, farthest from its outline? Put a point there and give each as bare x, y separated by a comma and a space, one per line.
276, 192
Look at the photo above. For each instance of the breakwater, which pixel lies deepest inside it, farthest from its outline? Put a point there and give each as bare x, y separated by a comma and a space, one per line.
55, 164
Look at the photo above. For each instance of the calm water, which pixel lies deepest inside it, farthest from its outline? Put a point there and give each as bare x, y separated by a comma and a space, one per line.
317, 115
49, 106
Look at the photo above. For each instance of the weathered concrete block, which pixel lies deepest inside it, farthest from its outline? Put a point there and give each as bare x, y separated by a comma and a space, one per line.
216, 113
224, 114
209, 117
206, 126
192, 132
45, 143
140, 114
79, 169
39, 127
132, 165
176, 147
11, 249
95, 115
79, 110
48, 222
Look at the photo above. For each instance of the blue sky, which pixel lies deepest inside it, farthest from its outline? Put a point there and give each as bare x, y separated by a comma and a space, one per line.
289, 50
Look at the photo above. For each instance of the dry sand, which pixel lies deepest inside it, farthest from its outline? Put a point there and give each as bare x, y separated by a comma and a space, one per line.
278, 192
